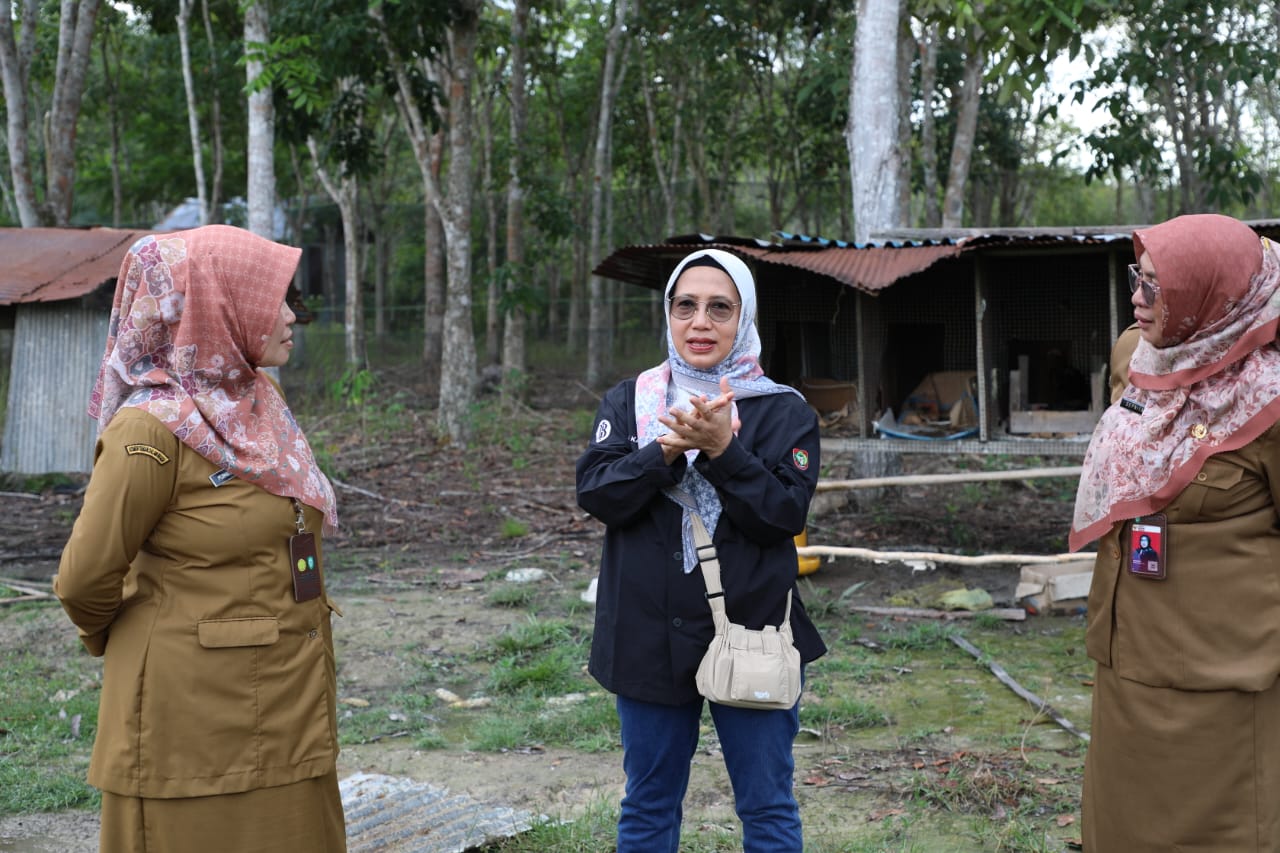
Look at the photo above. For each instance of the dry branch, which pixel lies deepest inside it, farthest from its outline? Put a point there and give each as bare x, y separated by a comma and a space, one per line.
26, 592
998, 671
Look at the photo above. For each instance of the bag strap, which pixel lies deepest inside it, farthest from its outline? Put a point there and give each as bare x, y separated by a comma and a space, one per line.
709, 562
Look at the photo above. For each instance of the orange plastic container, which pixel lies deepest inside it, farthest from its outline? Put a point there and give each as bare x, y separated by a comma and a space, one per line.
808, 565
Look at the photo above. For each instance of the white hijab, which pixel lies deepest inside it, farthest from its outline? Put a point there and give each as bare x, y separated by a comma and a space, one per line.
673, 382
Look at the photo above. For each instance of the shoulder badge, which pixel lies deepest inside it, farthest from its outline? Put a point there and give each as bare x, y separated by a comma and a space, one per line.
146, 450
603, 430
800, 458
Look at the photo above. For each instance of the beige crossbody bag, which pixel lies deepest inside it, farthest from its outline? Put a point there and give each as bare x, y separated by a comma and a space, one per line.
744, 668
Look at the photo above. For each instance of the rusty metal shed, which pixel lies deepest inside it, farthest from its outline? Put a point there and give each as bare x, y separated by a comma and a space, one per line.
55, 299
1019, 308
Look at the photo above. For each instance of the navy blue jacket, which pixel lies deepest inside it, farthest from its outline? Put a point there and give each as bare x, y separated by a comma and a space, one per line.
653, 624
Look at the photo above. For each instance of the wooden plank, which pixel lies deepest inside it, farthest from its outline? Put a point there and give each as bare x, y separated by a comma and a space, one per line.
1009, 614
1049, 421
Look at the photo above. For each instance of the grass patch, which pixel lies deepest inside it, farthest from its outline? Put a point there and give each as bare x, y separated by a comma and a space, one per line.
586, 722
48, 716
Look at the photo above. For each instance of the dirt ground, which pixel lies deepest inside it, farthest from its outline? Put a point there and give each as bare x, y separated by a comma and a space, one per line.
425, 523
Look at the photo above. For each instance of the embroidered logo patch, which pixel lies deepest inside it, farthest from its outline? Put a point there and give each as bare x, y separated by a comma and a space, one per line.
603, 430
800, 458
146, 450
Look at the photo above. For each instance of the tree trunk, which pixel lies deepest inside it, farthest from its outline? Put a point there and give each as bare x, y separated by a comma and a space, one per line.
966, 131
427, 145
261, 165
345, 192
458, 366
872, 132
929, 128
193, 116
215, 120
906, 58
111, 82
598, 333
433, 289
492, 309
15, 68
75, 35
513, 339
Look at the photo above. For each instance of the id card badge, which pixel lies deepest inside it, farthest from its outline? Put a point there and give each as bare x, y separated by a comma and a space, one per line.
1149, 546
305, 566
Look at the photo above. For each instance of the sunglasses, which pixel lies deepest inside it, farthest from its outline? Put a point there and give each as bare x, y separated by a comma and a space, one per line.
1137, 278
719, 310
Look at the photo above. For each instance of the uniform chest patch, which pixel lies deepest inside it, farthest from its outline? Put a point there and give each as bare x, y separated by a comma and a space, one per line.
800, 458
603, 430
147, 450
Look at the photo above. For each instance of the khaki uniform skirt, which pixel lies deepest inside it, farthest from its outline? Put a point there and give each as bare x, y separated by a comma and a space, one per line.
1171, 770
305, 815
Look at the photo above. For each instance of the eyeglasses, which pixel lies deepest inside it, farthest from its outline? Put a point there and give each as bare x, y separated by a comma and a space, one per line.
1137, 278
719, 310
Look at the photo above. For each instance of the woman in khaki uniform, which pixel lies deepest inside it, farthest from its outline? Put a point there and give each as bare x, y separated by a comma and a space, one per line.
1185, 749
195, 563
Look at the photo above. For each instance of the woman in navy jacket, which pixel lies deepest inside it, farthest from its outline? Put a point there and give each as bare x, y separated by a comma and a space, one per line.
706, 431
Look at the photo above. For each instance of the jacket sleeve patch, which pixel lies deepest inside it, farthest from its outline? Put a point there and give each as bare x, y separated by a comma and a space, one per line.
603, 430
146, 450
800, 458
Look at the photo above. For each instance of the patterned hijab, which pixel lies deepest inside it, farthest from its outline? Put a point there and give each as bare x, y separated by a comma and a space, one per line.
192, 315
1212, 386
674, 381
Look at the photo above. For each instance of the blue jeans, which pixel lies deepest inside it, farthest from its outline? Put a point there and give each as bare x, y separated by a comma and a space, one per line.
658, 742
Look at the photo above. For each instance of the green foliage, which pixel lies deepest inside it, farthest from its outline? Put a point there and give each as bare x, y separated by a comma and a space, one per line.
354, 387
923, 635
514, 528
47, 721
517, 596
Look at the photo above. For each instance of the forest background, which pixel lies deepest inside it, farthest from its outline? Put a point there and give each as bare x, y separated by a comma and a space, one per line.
478, 159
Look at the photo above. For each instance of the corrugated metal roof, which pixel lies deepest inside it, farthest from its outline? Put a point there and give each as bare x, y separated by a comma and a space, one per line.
869, 267
50, 264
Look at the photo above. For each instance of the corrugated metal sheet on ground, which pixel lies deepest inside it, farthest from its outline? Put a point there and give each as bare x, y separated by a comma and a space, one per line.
397, 814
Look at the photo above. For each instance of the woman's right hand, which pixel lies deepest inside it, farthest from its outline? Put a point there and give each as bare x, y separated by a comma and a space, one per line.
708, 425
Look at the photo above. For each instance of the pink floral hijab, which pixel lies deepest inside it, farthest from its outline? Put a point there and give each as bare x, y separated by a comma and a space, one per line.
192, 314
1213, 385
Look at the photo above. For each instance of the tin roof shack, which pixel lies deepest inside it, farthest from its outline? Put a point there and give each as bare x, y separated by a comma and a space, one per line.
55, 302
1031, 314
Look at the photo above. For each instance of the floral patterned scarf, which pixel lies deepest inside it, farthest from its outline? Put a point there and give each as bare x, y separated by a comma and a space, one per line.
1212, 386
191, 317
674, 381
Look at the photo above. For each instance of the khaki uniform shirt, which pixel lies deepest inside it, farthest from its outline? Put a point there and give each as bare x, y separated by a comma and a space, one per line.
215, 679
1214, 622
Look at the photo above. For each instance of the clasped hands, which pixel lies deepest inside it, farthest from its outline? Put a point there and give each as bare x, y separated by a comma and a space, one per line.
708, 425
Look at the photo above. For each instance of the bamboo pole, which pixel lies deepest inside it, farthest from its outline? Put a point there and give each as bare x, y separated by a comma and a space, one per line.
937, 557
960, 477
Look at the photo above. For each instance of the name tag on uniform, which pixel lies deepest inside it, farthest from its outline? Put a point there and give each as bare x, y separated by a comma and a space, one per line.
220, 477
305, 566
1149, 546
